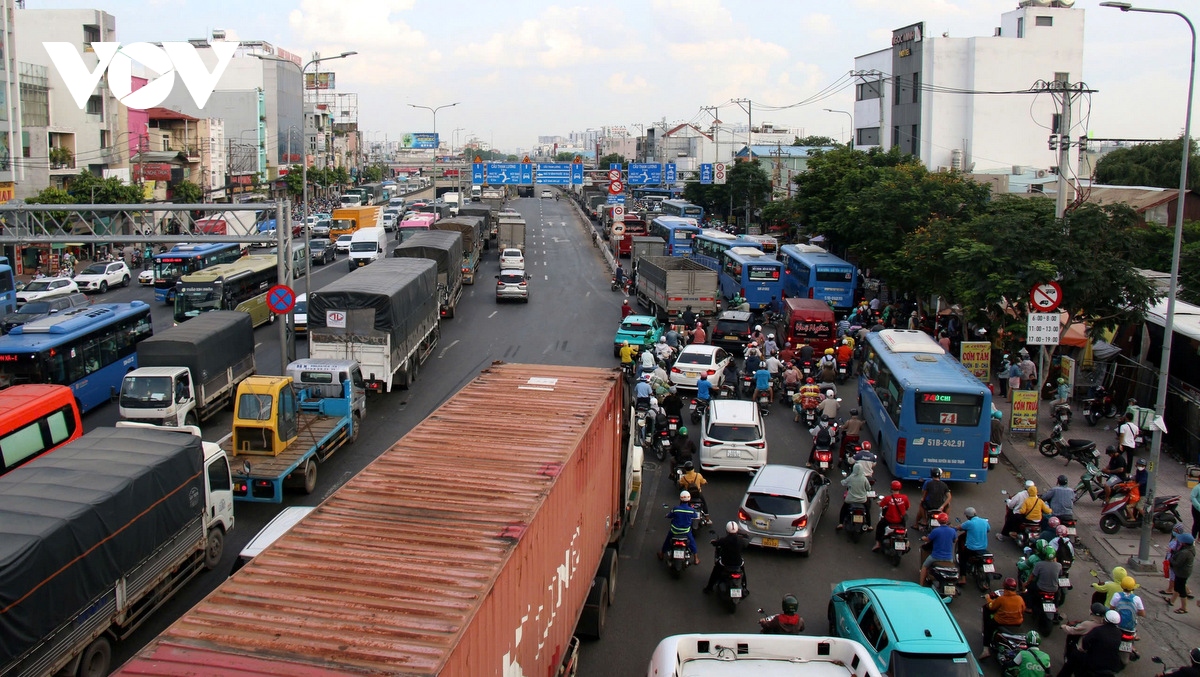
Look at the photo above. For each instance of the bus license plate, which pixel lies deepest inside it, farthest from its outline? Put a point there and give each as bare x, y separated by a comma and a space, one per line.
735, 592
1125, 647
1064, 582
1049, 607
900, 545
679, 554
989, 568
857, 519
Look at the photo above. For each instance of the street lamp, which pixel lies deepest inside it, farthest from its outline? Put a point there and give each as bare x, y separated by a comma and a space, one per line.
1160, 405
847, 114
434, 111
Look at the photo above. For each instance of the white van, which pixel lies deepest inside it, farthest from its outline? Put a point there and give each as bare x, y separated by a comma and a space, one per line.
354, 200
278, 526
366, 245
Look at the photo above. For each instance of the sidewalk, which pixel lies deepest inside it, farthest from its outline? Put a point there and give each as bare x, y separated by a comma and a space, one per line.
1163, 633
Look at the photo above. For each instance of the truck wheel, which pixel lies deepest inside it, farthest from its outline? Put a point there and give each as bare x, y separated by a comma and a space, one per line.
355, 425
96, 659
190, 419
310, 476
608, 570
595, 610
214, 547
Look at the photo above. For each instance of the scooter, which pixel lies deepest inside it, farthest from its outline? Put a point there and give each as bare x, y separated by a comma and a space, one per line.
1046, 611
747, 384
1084, 451
1062, 415
679, 555
764, 403
1099, 404
787, 392
856, 521
981, 567
1091, 483
1005, 646
1028, 532
807, 368
843, 372
945, 580
810, 417
699, 408
894, 544
731, 586
1165, 514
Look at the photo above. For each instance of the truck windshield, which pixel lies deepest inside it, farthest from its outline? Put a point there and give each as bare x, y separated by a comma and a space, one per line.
342, 224
145, 392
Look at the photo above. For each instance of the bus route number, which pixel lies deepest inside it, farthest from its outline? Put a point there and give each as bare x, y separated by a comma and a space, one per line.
948, 418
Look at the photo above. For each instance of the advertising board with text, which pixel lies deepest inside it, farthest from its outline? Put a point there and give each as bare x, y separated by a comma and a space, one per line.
1024, 411
976, 356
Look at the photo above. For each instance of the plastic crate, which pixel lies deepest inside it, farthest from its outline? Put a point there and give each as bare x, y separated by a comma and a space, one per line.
1142, 418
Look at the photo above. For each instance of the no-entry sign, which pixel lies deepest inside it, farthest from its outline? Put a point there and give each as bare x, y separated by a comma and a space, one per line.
1046, 297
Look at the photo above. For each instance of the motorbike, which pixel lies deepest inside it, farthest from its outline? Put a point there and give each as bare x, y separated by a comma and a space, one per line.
1099, 404
664, 436
1084, 451
807, 368
746, 383
1062, 415
699, 408
640, 415
1091, 482
1046, 611
731, 587
787, 392
895, 543
679, 555
843, 372
1164, 516
1005, 646
945, 580
764, 403
856, 521
1028, 532
981, 567
810, 416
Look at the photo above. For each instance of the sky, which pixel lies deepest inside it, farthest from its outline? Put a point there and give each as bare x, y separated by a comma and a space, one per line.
518, 69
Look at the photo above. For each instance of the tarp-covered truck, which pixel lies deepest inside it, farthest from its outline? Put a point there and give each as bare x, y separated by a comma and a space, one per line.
667, 285
190, 371
99, 534
473, 229
496, 588
512, 232
385, 316
444, 247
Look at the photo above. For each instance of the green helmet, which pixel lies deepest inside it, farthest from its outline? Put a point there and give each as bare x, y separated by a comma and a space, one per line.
790, 604
1032, 638
1040, 546
682, 430
1049, 553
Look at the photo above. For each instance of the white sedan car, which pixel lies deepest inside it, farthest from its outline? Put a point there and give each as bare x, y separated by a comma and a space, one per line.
46, 286
146, 278
695, 360
100, 276
512, 259
343, 244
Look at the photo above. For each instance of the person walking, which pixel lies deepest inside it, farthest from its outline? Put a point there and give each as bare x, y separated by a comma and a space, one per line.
1172, 547
1002, 375
1014, 380
1127, 434
1028, 373
1181, 568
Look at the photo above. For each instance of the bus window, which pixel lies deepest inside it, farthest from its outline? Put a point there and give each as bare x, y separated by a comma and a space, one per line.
39, 419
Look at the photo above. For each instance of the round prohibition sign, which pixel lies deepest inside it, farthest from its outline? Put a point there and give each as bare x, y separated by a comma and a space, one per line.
1046, 296
616, 188
614, 175
281, 299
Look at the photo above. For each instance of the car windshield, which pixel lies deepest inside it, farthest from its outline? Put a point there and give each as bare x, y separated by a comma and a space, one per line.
95, 269
635, 327
512, 278
318, 244
774, 504
38, 285
301, 308
694, 358
733, 433
345, 238
512, 253
34, 308
932, 665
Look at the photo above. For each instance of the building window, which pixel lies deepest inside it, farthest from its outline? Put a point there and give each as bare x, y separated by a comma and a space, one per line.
1044, 21
916, 83
35, 95
1062, 77
91, 33
868, 90
1020, 27
104, 138
867, 136
915, 144
895, 90
896, 135
95, 106
26, 151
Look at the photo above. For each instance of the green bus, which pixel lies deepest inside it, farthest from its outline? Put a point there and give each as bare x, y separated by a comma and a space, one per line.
241, 285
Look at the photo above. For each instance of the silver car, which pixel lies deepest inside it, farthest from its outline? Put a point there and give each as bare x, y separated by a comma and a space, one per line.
512, 285
782, 507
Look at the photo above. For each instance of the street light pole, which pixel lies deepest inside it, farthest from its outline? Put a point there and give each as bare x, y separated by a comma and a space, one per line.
434, 111
1160, 405
847, 114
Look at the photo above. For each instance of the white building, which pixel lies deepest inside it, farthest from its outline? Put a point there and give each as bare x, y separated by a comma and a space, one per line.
928, 94
11, 171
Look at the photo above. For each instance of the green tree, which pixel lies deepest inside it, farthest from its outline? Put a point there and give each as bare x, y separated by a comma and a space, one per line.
564, 156
815, 141
511, 158
611, 158
746, 183
87, 188
372, 174
1150, 247
1149, 164
187, 193
339, 176
294, 180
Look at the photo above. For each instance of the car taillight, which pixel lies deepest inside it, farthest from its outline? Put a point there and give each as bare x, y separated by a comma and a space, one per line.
801, 522
742, 516
499, 283
710, 443
676, 370
710, 372
520, 284
757, 445
901, 450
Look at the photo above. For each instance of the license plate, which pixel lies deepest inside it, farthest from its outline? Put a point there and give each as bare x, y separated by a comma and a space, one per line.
842, 370
1064, 582
733, 453
989, 568
1049, 607
870, 494
692, 374
693, 409
1070, 531
1125, 647
673, 427
736, 593
857, 519
771, 542
900, 545
950, 589
731, 338
824, 465
679, 554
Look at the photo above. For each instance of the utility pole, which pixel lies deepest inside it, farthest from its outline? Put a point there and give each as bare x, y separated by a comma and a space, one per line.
749, 108
712, 110
1060, 137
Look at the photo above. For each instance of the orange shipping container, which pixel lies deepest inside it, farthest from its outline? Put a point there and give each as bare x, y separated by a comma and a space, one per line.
468, 548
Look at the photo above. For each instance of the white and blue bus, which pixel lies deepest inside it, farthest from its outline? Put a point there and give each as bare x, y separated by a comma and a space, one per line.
676, 231
924, 409
185, 259
752, 274
813, 273
89, 349
708, 246
683, 208
8, 288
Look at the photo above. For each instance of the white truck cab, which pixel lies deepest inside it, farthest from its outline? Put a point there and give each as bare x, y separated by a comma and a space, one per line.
325, 377
366, 245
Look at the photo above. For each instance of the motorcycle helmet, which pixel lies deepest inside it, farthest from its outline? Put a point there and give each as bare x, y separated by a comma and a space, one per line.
808, 380
1032, 638
997, 414
1010, 583
1112, 617
896, 486
1141, 463
866, 445
731, 527
829, 351
689, 466
790, 604
1049, 553
1128, 584
1194, 654
758, 327
935, 472
682, 430
969, 513
1040, 545
771, 337
1061, 381
685, 496
1098, 609
1062, 480
1062, 531
1053, 522
943, 518
662, 339
625, 343
830, 394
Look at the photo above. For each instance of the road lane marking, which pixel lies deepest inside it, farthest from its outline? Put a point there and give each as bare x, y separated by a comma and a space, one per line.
493, 313
443, 353
257, 346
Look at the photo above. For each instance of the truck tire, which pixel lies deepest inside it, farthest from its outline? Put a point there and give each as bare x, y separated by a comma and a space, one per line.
608, 571
355, 426
595, 610
96, 659
310, 476
214, 548
190, 419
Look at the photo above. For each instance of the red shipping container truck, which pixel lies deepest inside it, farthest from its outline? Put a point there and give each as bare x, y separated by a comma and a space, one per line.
479, 544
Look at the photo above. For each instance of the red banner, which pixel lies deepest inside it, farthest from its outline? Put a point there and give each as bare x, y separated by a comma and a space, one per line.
152, 171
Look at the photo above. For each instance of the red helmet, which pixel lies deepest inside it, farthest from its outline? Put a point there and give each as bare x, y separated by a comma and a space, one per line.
809, 380
866, 445
943, 518
1010, 583
896, 486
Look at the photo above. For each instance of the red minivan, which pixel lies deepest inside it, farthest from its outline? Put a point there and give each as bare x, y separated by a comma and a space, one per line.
810, 322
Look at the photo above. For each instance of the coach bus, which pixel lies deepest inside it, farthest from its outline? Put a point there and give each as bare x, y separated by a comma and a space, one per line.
924, 409
752, 274
811, 272
241, 286
184, 259
88, 349
34, 420
683, 208
643, 192
676, 231
635, 225
711, 243
769, 243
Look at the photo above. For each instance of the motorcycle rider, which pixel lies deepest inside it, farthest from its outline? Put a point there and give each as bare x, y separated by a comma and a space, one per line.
626, 309
941, 541
786, 623
757, 335
689, 318
626, 353
822, 439
763, 383
646, 363
935, 497
976, 542
1117, 470
1044, 576
858, 487
830, 405
997, 434
1062, 392
642, 392
852, 429
1030, 661
1099, 651
672, 404
704, 389
845, 353
1192, 670
1033, 510
774, 367
893, 512
806, 353
827, 367
728, 557
1061, 499
672, 337
619, 277
1004, 609
681, 517
663, 350
770, 347
1134, 495
791, 377
808, 397
1012, 515
788, 354
1063, 546
866, 458
683, 449
694, 482
1128, 605
753, 358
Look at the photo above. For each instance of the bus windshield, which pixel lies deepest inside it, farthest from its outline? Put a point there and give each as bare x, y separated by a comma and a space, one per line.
197, 298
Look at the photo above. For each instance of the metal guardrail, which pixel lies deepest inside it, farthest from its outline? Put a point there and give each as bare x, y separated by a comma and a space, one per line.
30, 224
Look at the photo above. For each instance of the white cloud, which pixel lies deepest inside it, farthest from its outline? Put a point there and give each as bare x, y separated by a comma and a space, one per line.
621, 83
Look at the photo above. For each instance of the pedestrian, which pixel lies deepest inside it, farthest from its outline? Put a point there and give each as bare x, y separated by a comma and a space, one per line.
1195, 496
1028, 373
1014, 380
1127, 434
1172, 546
944, 341
1002, 375
1181, 567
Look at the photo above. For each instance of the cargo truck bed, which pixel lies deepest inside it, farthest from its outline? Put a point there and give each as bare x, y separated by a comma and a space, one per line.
319, 436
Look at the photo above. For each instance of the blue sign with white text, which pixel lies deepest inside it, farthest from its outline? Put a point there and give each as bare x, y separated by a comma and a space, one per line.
504, 173
526, 174
670, 173
615, 200
706, 172
477, 173
554, 173
643, 173
426, 140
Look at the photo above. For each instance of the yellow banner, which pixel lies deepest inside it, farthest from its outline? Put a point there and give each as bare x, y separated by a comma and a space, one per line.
1024, 411
977, 358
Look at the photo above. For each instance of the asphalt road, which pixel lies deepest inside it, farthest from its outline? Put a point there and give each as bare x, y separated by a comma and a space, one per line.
569, 320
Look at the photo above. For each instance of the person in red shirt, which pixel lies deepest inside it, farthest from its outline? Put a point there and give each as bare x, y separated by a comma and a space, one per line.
698, 334
893, 511
626, 309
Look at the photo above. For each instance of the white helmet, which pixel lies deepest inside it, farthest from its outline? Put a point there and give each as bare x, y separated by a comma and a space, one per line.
731, 527
685, 495
758, 327
829, 393
662, 339
771, 336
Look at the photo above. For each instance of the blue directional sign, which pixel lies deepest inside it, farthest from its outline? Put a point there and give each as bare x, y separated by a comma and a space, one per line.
706, 172
554, 173
615, 165
615, 200
670, 173
504, 173
477, 173
643, 173
526, 174
577, 173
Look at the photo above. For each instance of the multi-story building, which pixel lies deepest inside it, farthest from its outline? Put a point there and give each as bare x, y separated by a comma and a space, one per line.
931, 95
341, 111
184, 148
11, 132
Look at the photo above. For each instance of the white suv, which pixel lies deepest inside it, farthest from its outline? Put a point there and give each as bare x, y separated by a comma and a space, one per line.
732, 437
512, 259
100, 276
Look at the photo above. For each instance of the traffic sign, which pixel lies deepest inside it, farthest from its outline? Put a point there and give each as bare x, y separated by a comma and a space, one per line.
615, 200
577, 171
619, 217
718, 172
643, 173
614, 175
477, 173
526, 174
706, 172
669, 173
615, 187
554, 173
504, 173
1046, 297
281, 299
1041, 329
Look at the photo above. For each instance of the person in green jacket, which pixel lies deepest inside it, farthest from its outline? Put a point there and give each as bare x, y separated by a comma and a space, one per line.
1112, 587
1195, 496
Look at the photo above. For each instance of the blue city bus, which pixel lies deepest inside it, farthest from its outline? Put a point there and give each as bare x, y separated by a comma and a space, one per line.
683, 208
924, 409
676, 231
185, 259
89, 349
641, 192
8, 288
711, 243
813, 273
752, 274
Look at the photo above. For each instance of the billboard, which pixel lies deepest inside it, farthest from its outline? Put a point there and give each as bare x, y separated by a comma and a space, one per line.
419, 140
319, 81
